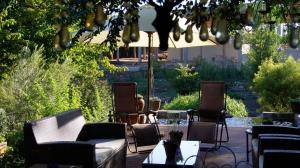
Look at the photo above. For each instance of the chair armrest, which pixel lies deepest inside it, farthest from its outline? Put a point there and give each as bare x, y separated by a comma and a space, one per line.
279, 135
66, 152
154, 113
269, 129
267, 142
102, 131
281, 158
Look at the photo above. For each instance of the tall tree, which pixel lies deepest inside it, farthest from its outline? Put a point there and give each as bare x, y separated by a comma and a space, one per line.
10, 39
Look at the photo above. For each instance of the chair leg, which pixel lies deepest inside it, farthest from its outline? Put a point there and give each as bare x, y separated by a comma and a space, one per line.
224, 124
134, 141
221, 134
217, 134
226, 129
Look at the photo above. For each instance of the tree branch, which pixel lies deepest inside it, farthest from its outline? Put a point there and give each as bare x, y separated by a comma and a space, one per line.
150, 2
177, 2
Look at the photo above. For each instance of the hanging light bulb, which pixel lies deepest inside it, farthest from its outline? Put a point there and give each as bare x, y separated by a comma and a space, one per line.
89, 21
296, 8
203, 35
189, 34
57, 42
294, 37
214, 24
176, 30
249, 20
135, 32
237, 44
126, 34
100, 16
64, 36
262, 8
222, 35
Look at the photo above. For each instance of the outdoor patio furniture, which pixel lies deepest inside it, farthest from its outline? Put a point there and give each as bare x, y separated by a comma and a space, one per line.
204, 132
186, 156
125, 107
274, 137
65, 139
280, 158
126, 111
212, 107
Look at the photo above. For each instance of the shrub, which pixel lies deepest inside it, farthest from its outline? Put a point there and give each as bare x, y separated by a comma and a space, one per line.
3, 125
264, 45
276, 84
32, 91
186, 80
235, 107
182, 102
95, 97
96, 100
14, 154
208, 71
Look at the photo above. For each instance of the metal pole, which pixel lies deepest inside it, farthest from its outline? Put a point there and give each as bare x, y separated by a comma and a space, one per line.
149, 87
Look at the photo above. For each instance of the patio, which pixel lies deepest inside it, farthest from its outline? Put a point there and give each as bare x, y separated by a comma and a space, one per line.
222, 157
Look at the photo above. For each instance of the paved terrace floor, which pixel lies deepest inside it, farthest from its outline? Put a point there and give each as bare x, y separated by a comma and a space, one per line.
219, 159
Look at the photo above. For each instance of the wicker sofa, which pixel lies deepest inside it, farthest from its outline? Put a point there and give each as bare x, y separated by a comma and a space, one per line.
271, 141
65, 139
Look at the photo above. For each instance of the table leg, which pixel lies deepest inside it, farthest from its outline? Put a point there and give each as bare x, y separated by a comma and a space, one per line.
247, 146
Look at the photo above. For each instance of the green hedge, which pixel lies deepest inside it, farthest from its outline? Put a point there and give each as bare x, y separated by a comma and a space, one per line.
182, 102
276, 84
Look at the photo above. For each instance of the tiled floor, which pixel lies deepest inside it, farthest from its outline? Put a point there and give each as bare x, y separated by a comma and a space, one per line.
220, 158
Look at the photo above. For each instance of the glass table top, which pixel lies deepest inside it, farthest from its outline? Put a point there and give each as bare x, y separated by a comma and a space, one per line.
186, 155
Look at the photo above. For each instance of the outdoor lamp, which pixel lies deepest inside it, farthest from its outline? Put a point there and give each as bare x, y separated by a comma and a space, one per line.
203, 35
249, 20
189, 34
222, 35
134, 32
64, 37
100, 16
214, 22
262, 7
296, 8
237, 42
176, 30
294, 37
126, 34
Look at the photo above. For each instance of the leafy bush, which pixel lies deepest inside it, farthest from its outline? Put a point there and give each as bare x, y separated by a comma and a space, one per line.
276, 84
14, 155
186, 80
234, 107
95, 97
182, 102
208, 71
3, 125
31, 91
264, 45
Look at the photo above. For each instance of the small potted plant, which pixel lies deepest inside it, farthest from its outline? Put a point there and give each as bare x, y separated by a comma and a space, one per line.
155, 103
172, 144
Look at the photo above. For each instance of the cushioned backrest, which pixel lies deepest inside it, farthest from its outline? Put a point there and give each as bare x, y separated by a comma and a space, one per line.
64, 126
125, 97
212, 95
202, 131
